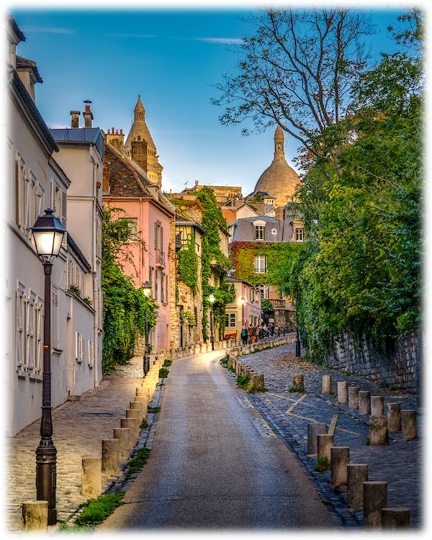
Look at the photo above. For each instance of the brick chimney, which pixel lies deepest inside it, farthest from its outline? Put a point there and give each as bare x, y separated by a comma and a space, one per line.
88, 115
75, 119
139, 152
116, 139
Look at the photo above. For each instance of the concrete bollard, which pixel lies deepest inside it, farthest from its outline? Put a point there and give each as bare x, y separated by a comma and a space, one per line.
110, 456
409, 425
313, 431
35, 515
91, 477
123, 436
377, 406
357, 475
394, 417
134, 413
353, 397
395, 518
378, 431
342, 390
364, 402
326, 384
340, 456
298, 383
258, 381
374, 500
130, 423
324, 444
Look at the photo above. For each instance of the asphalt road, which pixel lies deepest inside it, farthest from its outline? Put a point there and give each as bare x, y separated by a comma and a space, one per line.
215, 464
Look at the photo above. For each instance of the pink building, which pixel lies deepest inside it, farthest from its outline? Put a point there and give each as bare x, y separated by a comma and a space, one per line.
126, 186
245, 310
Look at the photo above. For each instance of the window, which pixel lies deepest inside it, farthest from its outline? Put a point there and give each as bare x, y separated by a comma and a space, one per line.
19, 326
156, 283
162, 287
79, 353
231, 320
259, 232
260, 264
264, 291
90, 353
252, 295
133, 229
156, 234
299, 233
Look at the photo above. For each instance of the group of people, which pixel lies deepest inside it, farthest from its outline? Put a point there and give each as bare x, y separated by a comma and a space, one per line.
255, 333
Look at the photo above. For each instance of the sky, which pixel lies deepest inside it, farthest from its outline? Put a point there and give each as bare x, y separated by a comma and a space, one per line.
172, 56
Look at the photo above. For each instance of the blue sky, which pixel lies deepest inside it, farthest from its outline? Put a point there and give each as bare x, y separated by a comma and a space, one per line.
172, 57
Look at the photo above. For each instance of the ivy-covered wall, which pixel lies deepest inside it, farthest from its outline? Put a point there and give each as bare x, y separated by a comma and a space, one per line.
244, 253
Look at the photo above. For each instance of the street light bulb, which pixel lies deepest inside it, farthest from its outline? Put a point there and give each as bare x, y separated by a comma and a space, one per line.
147, 289
243, 300
212, 298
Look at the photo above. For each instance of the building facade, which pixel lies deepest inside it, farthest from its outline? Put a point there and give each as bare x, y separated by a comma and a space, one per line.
244, 311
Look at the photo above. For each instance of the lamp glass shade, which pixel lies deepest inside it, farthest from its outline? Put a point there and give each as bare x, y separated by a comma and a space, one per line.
48, 233
243, 300
212, 298
147, 289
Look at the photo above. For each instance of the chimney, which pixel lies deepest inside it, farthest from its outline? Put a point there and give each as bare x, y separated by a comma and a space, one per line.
75, 119
88, 115
116, 139
139, 152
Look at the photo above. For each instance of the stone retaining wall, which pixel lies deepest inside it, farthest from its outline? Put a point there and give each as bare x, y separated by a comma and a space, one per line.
399, 369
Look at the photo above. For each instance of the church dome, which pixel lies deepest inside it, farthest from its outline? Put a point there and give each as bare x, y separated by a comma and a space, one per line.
279, 180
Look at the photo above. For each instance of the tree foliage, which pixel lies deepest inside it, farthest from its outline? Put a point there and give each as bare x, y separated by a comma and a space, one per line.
124, 306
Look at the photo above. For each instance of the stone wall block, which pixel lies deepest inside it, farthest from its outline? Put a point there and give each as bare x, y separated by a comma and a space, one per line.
35, 516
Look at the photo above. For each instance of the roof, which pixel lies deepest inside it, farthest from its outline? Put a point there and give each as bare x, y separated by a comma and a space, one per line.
251, 219
79, 254
25, 63
231, 279
15, 28
190, 223
80, 136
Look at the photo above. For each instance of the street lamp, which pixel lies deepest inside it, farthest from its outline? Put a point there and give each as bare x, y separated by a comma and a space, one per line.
48, 233
243, 301
147, 290
212, 299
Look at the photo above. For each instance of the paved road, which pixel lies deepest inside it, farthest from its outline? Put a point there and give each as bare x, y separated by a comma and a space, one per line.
216, 464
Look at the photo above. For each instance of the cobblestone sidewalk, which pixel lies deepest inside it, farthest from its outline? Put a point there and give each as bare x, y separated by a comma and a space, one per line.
399, 463
79, 427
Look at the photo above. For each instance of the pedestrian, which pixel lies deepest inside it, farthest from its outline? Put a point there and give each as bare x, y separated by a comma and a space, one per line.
244, 336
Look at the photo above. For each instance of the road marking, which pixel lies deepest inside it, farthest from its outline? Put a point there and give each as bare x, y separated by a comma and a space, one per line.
318, 422
245, 403
263, 428
296, 403
333, 424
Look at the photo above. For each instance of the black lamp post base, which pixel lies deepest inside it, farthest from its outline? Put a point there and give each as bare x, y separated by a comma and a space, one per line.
46, 468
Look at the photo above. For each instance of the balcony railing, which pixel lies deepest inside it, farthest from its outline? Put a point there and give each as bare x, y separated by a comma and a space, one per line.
160, 258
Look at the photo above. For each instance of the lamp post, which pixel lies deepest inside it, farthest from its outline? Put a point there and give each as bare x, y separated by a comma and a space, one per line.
212, 299
147, 289
48, 233
243, 300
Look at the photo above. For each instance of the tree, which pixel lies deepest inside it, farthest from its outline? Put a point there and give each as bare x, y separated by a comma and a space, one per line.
297, 71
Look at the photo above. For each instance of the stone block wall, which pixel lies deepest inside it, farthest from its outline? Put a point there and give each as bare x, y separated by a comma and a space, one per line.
399, 369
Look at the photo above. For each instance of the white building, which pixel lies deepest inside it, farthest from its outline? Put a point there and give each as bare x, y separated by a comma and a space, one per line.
36, 181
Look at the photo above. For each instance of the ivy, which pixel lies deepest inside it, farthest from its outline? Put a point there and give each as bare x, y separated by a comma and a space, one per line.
188, 265
124, 306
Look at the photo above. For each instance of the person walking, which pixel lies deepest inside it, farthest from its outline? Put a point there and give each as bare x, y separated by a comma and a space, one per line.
244, 336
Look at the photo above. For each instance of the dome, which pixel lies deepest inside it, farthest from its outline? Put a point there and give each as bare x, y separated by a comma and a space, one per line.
139, 129
279, 180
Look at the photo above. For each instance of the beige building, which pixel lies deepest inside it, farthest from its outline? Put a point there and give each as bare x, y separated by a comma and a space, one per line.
36, 181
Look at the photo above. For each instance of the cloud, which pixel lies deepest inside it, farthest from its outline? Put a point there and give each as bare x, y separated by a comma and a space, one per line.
47, 30
217, 40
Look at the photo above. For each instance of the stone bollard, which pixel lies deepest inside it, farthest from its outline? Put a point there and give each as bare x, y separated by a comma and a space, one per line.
353, 397
378, 431
110, 456
340, 456
313, 431
357, 475
123, 436
364, 402
395, 518
394, 417
91, 477
409, 425
258, 381
298, 383
377, 406
326, 384
374, 500
130, 423
324, 444
342, 390
134, 413
35, 515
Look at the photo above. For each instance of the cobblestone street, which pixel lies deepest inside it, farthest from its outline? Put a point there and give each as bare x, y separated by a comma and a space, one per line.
79, 427
399, 463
